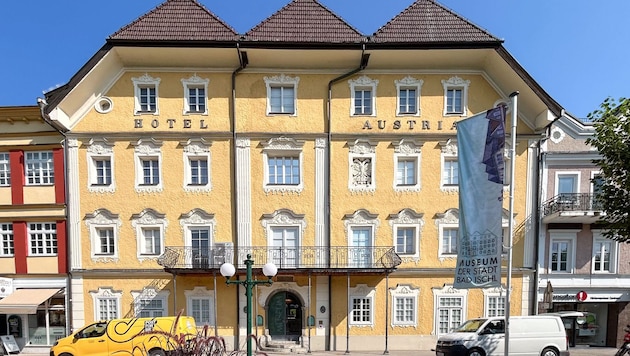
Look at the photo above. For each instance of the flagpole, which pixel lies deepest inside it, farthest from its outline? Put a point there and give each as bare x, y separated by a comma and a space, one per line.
508, 281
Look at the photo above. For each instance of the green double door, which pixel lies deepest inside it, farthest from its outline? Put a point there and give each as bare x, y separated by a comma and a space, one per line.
284, 315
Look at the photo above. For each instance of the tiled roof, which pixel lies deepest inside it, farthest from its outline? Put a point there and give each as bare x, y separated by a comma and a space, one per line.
305, 21
177, 20
426, 21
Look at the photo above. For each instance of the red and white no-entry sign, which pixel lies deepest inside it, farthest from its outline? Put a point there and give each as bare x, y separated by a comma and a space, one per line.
581, 296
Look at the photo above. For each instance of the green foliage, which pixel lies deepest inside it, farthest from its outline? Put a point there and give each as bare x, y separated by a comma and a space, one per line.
612, 140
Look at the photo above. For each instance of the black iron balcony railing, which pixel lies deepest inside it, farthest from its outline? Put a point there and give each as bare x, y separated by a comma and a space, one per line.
304, 257
572, 202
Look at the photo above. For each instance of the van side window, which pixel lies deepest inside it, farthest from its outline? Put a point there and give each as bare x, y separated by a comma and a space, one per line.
94, 330
495, 327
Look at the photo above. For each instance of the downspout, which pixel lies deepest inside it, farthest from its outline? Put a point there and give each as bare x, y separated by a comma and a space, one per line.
362, 65
242, 58
42, 103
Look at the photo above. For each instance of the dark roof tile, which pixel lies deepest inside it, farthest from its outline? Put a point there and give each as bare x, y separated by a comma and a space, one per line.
427, 21
177, 20
304, 21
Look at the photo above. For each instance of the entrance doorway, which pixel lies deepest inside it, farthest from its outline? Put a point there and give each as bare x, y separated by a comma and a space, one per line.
284, 315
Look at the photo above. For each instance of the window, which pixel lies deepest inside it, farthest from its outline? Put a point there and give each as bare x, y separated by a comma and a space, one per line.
597, 182
283, 165
361, 164
562, 252
199, 228
198, 170
200, 305
150, 229
148, 157
604, 254
450, 308
450, 170
42, 239
407, 165
5, 170
146, 94
567, 187
363, 94
448, 227
494, 302
361, 228
106, 304
39, 168
150, 303
104, 231
404, 305
197, 165
284, 229
100, 158
7, 240
195, 95
281, 94
408, 96
455, 96
361, 305
406, 226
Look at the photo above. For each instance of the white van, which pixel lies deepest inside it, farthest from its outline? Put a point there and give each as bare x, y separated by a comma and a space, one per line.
535, 335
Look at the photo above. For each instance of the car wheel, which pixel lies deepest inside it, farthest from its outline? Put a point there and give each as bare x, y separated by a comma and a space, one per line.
65, 354
476, 352
549, 352
157, 352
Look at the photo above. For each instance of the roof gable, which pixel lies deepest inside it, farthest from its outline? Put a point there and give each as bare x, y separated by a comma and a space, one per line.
304, 21
177, 20
426, 21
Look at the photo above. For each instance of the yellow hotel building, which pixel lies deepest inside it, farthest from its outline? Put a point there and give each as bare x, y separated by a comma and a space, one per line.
323, 150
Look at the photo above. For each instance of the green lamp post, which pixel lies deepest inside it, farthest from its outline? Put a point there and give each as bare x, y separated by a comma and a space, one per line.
228, 270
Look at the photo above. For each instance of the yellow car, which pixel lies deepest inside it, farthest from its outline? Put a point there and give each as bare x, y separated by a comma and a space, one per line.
136, 336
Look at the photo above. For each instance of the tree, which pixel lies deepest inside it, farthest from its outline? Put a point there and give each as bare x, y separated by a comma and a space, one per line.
612, 140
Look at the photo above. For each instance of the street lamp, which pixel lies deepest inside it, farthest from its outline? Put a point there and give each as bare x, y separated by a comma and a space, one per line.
228, 270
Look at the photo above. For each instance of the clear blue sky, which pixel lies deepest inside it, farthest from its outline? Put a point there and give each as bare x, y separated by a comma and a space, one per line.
577, 50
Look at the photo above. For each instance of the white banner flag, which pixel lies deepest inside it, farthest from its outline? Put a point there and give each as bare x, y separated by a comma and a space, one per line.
480, 145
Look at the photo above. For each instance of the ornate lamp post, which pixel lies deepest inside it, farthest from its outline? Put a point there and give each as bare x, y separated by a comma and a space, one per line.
228, 270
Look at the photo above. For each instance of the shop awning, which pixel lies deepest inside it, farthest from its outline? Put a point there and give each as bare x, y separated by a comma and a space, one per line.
25, 301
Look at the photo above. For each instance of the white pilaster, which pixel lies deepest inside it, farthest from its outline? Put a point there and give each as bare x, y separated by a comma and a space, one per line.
243, 192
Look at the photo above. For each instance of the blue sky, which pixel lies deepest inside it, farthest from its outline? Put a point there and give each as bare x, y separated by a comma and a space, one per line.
577, 50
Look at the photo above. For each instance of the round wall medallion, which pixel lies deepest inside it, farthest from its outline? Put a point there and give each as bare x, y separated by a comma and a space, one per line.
322, 309
104, 105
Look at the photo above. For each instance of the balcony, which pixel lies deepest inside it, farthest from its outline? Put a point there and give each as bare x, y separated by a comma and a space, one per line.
572, 208
315, 259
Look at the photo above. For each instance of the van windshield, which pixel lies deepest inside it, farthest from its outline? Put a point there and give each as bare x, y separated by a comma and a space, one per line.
470, 326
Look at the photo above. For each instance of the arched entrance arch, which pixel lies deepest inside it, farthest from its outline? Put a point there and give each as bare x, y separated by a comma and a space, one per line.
284, 316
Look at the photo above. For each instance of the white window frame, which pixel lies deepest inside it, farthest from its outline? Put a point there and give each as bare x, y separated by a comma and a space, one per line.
150, 294
456, 83
196, 149
404, 292
200, 293
362, 83
103, 219
5, 169
563, 236
100, 150
198, 219
147, 149
448, 152
285, 81
559, 174
360, 219
284, 219
148, 219
48, 239
406, 83
447, 220
447, 291
406, 149
362, 291
7, 239
42, 168
106, 295
494, 296
614, 253
195, 82
145, 81
362, 149
283, 147
407, 218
